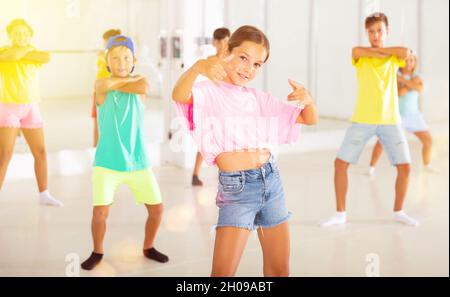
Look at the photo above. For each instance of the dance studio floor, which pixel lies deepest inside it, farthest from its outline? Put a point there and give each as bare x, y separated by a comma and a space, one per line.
44, 241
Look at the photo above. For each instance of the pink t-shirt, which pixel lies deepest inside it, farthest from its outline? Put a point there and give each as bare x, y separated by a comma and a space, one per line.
227, 118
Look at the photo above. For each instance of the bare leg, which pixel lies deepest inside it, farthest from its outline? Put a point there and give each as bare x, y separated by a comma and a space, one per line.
275, 245
98, 227
401, 185
35, 140
340, 183
427, 143
7, 141
228, 248
95, 132
153, 221
151, 228
198, 164
340, 188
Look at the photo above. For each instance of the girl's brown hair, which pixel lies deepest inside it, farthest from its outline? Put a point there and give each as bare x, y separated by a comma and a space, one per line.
249, 33
375, 18
111, 33
221, 33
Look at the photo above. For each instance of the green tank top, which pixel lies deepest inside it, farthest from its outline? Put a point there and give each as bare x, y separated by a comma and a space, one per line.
121, 144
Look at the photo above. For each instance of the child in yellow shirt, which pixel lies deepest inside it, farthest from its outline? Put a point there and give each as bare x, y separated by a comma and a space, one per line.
19, 96
376, 114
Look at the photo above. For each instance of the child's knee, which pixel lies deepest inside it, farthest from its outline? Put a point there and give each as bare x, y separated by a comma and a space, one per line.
428, 142
278, 271
222, 272
40, 153
100, 213
156, 211
340, 165
404, 169
5, 156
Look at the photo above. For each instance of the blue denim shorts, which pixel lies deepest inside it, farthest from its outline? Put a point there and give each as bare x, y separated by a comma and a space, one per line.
391, 137
252, 198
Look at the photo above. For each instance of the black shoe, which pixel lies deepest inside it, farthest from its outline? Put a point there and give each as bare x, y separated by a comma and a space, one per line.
196, 181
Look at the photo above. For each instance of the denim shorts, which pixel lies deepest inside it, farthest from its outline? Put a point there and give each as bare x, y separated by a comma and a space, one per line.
252, 198
391, 137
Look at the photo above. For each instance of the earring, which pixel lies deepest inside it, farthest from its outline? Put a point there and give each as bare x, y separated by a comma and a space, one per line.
108, 69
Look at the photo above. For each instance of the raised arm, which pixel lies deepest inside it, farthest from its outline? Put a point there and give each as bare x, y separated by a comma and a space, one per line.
102, 86
400, 52
181, 93
309, 115
402, 91
137, 87
213, 68
369, 52
415, 83
14, 54
37, 57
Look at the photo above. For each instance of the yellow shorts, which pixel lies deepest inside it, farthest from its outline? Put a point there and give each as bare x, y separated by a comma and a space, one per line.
142, 183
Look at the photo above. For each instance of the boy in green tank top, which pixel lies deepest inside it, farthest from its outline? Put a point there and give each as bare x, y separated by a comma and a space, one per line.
121, 155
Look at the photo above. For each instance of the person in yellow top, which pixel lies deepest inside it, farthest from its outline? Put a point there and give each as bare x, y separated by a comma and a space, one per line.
376, 114
19, 96
102, 72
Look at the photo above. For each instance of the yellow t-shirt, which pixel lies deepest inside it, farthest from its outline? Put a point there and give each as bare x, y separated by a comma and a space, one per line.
102, 72
377, 101
19, 81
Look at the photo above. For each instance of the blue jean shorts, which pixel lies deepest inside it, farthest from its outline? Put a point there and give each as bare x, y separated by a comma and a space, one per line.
252, 198
391, 137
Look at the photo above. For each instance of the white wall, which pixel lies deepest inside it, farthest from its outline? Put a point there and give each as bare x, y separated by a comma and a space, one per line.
433, 58
335, 78
249, 12
214, 16
289, 49
311, 41
74, 32
143, 27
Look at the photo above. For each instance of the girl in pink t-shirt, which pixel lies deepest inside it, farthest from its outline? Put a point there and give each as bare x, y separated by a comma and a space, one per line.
234, 127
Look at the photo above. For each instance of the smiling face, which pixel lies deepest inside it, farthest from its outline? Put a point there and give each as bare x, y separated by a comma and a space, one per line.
20, 36
377, 33
248, 59
120, 61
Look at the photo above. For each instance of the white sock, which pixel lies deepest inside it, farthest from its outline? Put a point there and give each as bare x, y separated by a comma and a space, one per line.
46, 198
402, 217
338, 219
371, 171
429, 168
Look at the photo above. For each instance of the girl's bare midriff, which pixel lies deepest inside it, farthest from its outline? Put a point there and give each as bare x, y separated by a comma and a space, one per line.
242, 160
